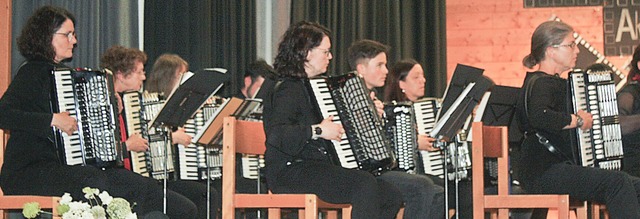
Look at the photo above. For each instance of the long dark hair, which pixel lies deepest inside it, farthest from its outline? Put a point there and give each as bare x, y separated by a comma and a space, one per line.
546, 34
34, 41
398, 72
296, 43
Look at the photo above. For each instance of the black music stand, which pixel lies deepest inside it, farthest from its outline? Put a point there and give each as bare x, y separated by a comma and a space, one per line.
183, 103
462, 76
501, 110
466, 89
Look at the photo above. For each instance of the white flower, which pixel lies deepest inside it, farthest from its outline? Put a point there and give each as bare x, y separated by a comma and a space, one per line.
79, 206
90, 193
105, 198
98, 212
65, 199
132, 216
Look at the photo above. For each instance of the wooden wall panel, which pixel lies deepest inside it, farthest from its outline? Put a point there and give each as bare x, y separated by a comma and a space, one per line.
5, 45
5, 61
495, 35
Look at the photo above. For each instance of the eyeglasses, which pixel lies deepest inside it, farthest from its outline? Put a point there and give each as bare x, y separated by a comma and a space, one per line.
572, 45
326, 52
70, 35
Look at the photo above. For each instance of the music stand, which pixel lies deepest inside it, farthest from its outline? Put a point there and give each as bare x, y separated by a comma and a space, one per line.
501, 110
465, 91
183, 103
462, 76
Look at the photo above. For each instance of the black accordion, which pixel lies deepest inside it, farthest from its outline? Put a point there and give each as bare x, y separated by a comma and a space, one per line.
401, 131
139, 110
89, 97
365, 146
595, 93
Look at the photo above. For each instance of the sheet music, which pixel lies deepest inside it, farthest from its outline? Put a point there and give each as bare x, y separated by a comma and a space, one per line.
441, 122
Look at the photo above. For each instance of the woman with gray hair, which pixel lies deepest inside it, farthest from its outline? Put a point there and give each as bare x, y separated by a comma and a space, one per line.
548, 167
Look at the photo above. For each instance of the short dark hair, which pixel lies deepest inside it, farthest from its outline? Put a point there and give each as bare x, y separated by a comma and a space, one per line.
365, 49
34, 41
122, 59
259, 68
296, 43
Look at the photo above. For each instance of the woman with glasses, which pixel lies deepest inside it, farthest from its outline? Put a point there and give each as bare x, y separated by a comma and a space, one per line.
31, 163
298, 138
549, 167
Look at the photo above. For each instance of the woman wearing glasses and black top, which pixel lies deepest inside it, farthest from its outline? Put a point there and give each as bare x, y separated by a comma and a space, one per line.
31, 164
554, 52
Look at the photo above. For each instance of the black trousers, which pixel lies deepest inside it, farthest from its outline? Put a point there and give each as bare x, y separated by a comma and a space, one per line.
619, 191
53, 179
370, 198
197, 192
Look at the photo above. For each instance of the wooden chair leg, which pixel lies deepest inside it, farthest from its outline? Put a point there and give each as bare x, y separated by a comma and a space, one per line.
274, 213
346, 213
400, 214
332, 214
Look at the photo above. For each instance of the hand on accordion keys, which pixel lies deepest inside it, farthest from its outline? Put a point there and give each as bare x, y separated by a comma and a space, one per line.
331, 130
64, 122
587, 120
137, 143
181, 137
425, 143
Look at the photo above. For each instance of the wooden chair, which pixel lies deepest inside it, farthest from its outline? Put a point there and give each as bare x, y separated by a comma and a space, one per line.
492, 142
248, 137
15, 202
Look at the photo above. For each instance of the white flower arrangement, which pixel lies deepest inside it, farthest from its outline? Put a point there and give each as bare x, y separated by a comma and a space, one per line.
116, 208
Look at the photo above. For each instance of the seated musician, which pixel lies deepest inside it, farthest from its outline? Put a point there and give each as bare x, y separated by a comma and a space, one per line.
127, 65
406, 82
629, 109
422, 198
32, 165
164, 78
298, 137
553, 171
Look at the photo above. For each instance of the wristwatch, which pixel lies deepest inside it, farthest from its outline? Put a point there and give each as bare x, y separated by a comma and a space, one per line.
317, 131
580, 121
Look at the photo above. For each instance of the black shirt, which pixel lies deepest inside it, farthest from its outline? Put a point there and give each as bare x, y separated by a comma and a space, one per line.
289, 111
25, 111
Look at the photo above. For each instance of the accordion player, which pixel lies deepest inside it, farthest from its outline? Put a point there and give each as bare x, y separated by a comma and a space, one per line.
88, 96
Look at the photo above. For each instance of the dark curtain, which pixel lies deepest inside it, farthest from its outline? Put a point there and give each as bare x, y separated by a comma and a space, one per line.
206, 34
98, 27
412, 28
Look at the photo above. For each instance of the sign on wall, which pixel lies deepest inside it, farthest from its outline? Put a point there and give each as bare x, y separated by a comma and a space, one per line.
621, 26
561, 3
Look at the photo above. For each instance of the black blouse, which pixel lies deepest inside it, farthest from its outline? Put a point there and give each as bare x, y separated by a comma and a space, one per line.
289, 111
25, 111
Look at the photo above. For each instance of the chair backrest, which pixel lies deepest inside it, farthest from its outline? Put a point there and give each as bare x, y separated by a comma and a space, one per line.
248, 137
3, 143
490, 142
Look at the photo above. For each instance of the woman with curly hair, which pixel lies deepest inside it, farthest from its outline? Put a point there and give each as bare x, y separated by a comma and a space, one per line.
298, 138
31, 162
